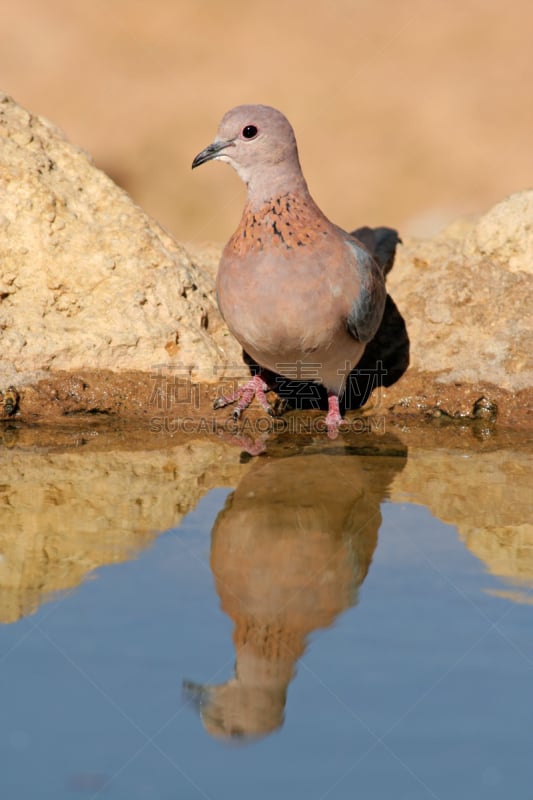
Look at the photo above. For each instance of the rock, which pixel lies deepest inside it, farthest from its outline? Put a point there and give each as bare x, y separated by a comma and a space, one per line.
505, 234
467, 299
86, 278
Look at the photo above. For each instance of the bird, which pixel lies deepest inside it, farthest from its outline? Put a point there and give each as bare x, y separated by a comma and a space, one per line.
301, 295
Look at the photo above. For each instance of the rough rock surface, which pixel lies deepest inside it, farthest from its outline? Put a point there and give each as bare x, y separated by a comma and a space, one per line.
88, 283
86, 278
467, 297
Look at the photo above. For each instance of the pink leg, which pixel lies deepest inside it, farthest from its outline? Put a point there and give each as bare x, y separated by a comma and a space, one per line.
256, 387
334, 417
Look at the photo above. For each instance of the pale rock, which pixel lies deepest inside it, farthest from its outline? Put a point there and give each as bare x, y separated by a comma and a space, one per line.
87, 280
505, 234
467, 299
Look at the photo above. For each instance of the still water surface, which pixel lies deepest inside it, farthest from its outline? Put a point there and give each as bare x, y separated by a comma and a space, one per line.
314, 631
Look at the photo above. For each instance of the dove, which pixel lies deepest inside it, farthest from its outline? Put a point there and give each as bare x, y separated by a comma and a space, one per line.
293, 288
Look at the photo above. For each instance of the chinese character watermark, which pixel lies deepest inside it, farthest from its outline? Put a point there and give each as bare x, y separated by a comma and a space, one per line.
173, 385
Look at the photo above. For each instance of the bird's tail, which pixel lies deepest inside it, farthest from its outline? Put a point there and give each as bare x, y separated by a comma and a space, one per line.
381, 243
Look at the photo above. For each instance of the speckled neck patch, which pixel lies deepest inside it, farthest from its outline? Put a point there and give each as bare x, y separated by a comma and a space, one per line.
286, 222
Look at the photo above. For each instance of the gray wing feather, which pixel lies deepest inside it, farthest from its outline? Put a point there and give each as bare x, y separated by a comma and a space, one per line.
367, 309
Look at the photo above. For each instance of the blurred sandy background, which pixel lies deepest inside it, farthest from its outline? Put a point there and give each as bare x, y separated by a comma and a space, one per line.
407, 112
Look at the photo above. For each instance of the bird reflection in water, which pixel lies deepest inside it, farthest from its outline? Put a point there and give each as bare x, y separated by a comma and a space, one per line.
289, 552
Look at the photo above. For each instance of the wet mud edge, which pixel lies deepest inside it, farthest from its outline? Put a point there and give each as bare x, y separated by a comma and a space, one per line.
140, 397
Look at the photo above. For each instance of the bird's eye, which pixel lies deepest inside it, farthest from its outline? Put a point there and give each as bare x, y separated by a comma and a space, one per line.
249, 131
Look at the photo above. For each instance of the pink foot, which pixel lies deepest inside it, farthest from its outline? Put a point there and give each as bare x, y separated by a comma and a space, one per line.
334, 417
256, 387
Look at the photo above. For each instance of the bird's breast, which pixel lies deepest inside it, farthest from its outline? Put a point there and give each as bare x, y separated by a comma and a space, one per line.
276, 303
286, 285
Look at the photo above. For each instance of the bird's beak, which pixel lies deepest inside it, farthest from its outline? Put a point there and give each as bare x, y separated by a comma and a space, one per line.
210, 152
197, 694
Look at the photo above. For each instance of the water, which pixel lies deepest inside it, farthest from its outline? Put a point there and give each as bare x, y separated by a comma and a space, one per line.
321, 622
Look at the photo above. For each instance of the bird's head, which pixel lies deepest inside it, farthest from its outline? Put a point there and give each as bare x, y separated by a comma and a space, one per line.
259, 143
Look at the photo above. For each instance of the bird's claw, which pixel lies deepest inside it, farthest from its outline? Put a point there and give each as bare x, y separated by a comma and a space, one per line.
256, 387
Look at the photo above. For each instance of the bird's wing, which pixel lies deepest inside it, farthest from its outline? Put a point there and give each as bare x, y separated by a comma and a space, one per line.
367, 308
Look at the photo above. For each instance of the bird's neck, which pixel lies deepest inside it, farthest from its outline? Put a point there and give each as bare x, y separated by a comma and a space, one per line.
266, 185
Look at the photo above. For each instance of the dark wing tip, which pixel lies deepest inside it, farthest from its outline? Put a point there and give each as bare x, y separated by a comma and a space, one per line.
381, 243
